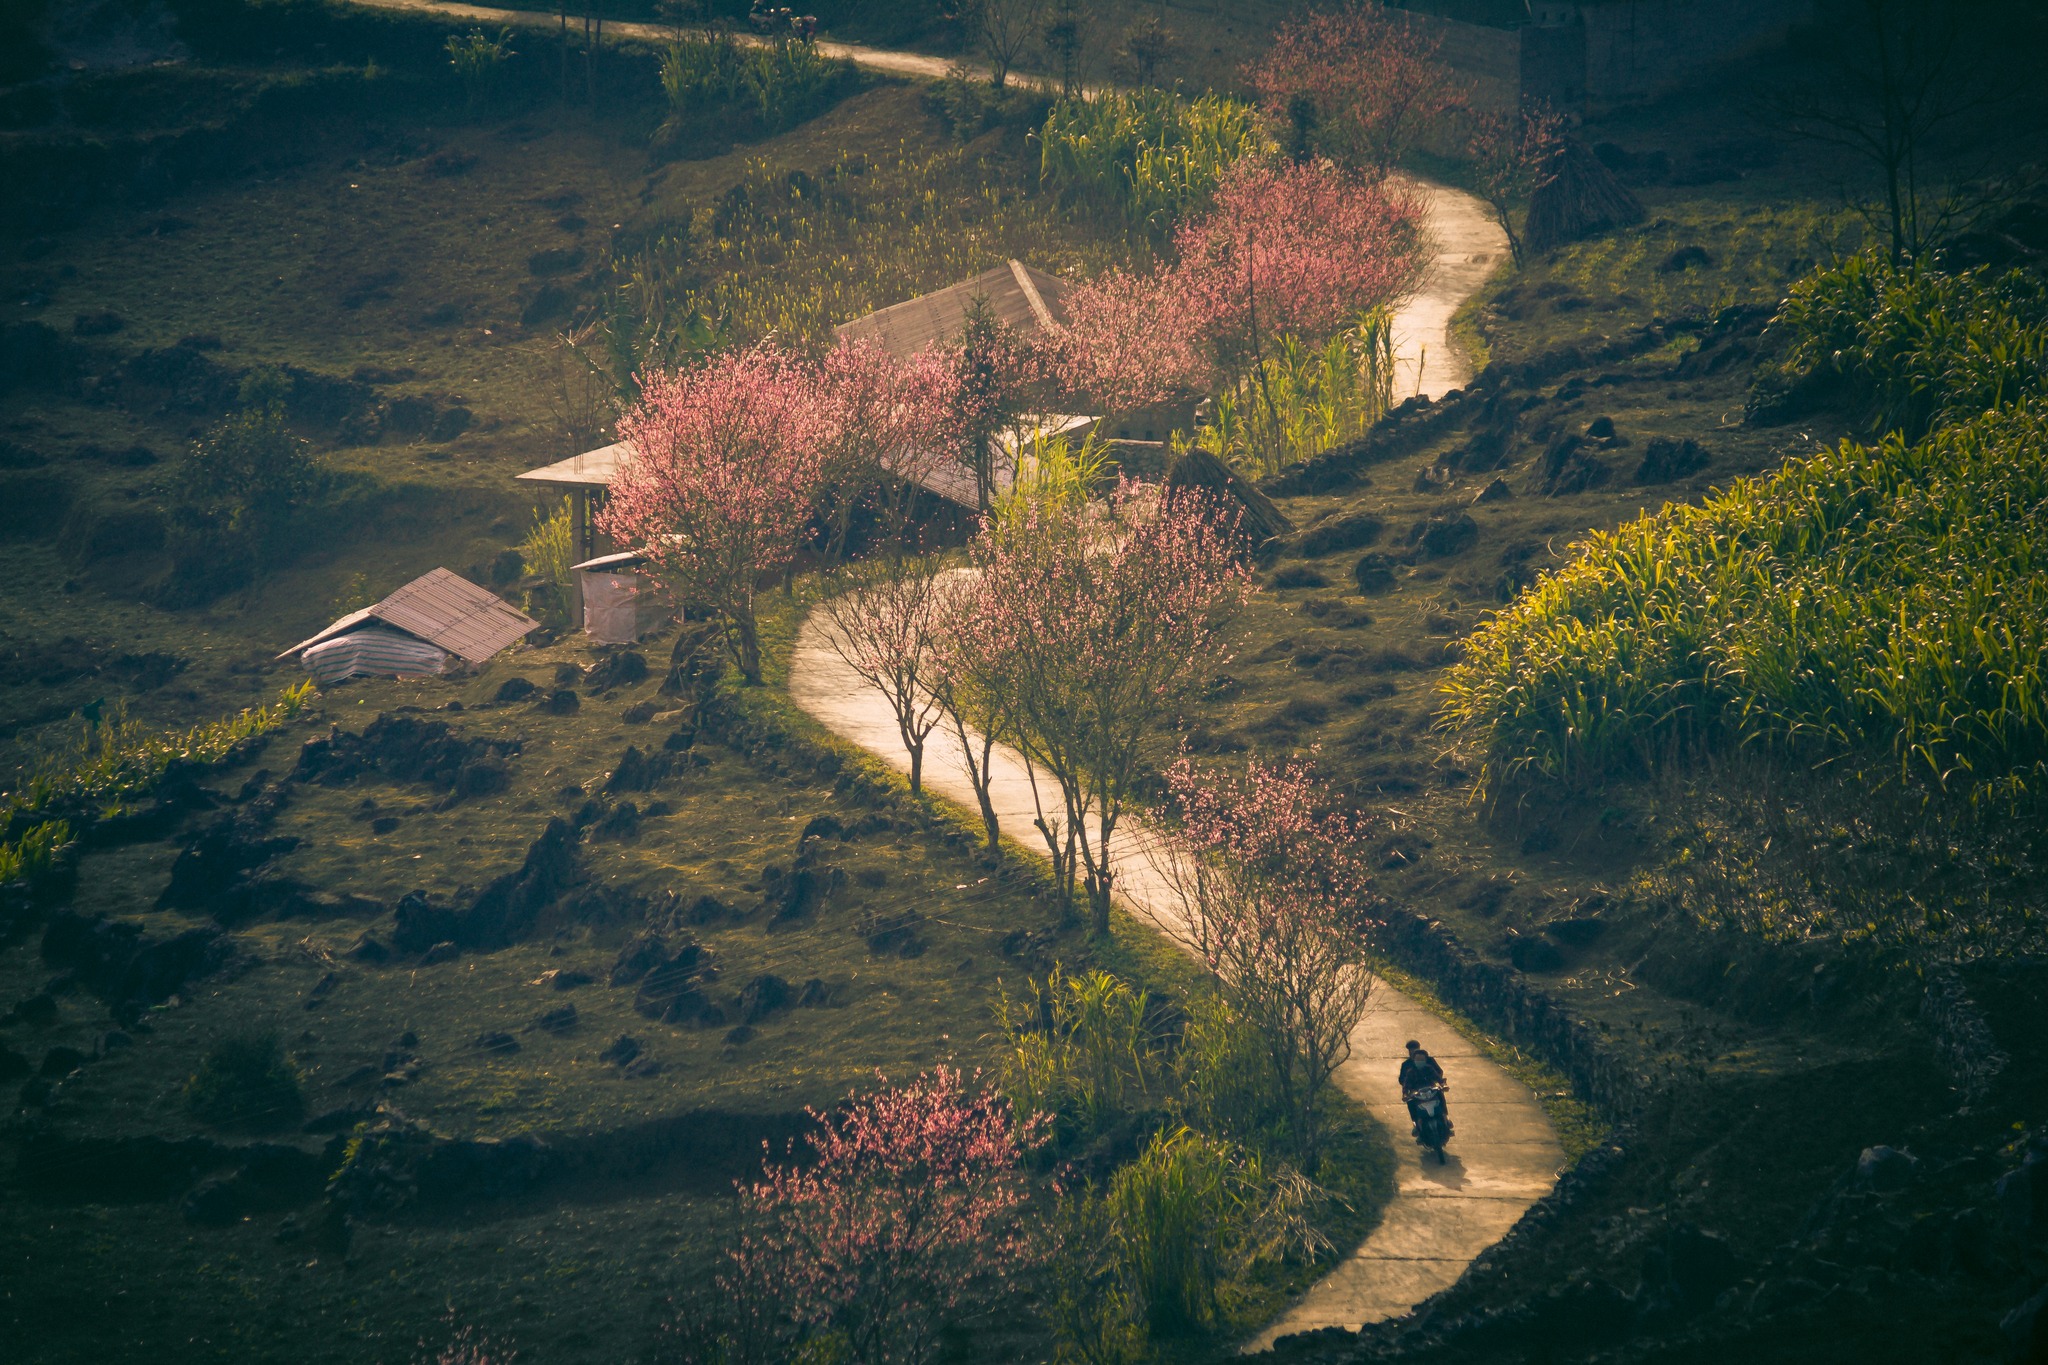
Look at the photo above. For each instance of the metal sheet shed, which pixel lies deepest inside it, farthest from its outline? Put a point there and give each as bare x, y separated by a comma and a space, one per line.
442, 608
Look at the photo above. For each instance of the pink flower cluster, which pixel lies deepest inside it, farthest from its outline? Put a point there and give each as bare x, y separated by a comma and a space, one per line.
1300, 249
905, 1210
1272, 824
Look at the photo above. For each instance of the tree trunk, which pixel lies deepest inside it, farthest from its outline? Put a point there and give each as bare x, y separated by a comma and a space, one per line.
749, 646
916, 766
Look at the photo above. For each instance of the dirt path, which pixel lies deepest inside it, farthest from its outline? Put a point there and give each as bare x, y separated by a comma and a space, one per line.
870, 58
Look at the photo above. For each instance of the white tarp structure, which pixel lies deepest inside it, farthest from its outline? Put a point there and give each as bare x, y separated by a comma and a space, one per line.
414, 630
618, 600
375, 651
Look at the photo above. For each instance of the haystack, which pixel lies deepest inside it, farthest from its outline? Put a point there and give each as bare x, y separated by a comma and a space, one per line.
1580, 198
1259, 521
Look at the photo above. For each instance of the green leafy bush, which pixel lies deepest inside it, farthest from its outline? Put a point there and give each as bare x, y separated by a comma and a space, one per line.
1914, 348
549, 553
31, 855
1078, 1049
479, 61
245, 1082
1879, 606
1149, 154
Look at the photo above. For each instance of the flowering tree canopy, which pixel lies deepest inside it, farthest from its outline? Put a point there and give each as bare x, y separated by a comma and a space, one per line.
1275, 894
1299, 250
1358, 83
1288, 250
1092, 621
904, 1211
881, 415
727, 465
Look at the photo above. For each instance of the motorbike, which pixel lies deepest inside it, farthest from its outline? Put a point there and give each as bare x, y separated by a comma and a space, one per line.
1432, 1124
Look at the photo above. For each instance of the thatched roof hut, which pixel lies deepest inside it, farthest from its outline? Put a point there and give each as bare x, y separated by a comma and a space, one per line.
1579, 198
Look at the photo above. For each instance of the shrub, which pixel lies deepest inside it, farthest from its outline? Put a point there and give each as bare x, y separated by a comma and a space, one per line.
1913, 347
1303, 401
1149, 154
241, 483
115, 760
1078, 1049
1881, 605
549, 552
245, 1082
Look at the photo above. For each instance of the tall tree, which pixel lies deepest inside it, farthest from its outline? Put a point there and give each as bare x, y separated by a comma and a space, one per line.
882, 616
1885, 79
726, 468
1512, 155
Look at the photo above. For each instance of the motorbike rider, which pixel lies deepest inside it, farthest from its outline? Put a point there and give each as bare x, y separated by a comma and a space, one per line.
1419, 1071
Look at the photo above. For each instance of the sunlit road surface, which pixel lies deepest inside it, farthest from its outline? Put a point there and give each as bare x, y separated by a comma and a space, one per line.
1505, 1156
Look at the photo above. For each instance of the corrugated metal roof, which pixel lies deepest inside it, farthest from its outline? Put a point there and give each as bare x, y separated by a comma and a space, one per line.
592, 469
1017, 296
445, 609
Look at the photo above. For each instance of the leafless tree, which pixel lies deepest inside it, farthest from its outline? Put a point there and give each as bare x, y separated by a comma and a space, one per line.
883, 616
1887, 79
1273, 895
1006, 29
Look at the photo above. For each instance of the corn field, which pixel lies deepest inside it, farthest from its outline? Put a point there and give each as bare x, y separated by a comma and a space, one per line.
795, 253
1304, 401
1149, 154
1881, 607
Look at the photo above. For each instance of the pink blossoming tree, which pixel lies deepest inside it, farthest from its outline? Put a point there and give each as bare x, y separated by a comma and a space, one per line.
727, 466
1093, 621
1276, 901
1359, 83
904, 1215
885, 419
1294, 250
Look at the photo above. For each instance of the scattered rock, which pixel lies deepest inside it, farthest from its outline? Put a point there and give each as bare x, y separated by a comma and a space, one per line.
1296, 576
1446, 534
112, 1041
562, 702
1569, 466
815, 994
60, 1062
640, 1068
98, 324
496, 1042
322, 988
505, 911
443, 951
739, 1034
1374, 572
1354, 531
1686, 258
764, 995
559, 1020
622, 1050
1530, 954
1497, 491
1885, 1169
639, 713
368, 948
515, 689
1666, 459
622, 668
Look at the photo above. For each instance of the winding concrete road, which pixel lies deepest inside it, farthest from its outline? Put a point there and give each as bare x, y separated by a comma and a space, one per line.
1505, 1156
